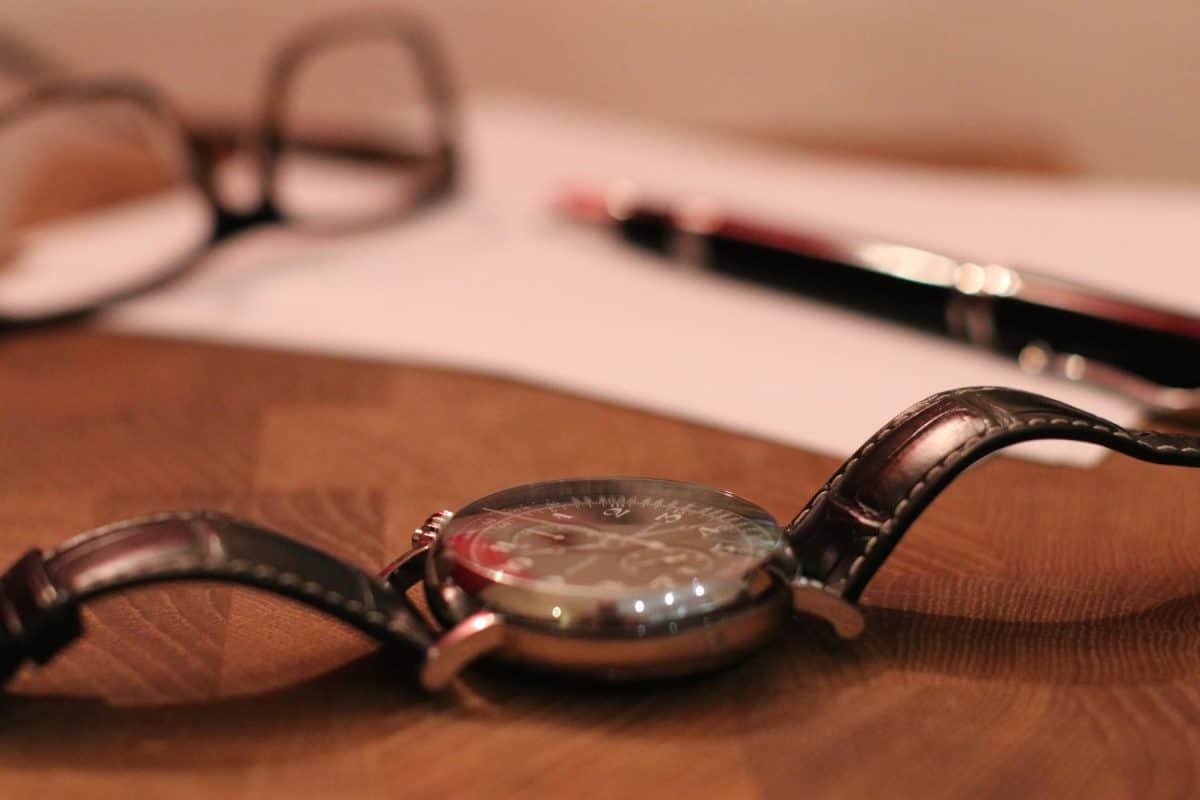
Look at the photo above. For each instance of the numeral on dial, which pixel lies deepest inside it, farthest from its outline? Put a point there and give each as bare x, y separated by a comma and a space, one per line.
669, 516
616, 513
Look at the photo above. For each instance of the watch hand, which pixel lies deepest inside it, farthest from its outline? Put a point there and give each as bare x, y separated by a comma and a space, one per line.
581, 564
557, 537
559, 550
653, 544
646, 530
657, 546
569, 526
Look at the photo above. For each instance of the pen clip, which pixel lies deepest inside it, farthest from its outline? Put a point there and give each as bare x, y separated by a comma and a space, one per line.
1166, 402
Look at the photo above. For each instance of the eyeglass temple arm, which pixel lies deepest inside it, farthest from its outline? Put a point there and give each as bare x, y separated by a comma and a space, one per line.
21, 60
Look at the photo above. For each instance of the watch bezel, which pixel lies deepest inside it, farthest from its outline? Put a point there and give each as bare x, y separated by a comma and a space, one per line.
618, 645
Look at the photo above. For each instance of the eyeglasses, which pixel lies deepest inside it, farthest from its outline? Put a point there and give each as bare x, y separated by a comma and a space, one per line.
107, 194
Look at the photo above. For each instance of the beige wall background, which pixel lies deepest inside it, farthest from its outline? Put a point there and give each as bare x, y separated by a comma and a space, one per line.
1104, 87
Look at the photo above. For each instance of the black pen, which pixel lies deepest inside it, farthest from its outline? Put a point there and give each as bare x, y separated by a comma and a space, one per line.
1049, 325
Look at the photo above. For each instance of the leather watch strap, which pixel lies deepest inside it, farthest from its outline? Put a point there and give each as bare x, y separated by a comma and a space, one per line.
847, 530
40, 596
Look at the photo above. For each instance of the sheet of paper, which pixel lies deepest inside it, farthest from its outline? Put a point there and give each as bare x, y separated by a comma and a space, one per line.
493, 282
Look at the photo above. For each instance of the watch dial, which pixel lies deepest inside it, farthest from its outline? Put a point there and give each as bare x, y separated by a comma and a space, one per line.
637, 549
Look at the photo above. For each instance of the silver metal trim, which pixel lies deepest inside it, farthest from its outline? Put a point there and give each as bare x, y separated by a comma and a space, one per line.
475, 636
631, 652
1037, 358
703, 644
406, 570
813, 597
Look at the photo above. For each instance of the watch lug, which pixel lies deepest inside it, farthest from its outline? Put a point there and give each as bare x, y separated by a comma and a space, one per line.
812, 597
783, 564
475, 636
406, 570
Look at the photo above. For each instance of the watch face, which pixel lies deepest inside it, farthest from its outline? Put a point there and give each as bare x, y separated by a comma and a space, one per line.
607, 551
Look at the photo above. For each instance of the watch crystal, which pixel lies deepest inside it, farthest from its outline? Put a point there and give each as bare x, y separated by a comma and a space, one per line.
623, 548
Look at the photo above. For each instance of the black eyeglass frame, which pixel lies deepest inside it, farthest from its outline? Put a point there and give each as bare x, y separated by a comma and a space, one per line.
439, 167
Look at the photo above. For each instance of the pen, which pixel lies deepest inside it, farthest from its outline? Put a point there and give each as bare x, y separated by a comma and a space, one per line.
1049, 325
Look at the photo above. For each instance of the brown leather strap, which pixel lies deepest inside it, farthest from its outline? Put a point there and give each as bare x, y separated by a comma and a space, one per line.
851, 525
40, 596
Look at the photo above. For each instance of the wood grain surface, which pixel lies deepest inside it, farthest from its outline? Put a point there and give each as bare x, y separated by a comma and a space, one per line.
1036, 634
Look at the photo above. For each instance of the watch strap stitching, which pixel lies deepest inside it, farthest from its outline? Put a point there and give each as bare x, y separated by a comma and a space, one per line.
996, 412
1137, 437
256, 574
867, 446
40, 596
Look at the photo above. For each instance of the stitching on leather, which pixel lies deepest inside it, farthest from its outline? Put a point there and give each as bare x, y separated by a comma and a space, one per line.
267, 574
235, 567
149, 519
858, 454
1137, 437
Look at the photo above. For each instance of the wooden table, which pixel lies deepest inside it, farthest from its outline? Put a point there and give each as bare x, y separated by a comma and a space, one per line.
1036, 633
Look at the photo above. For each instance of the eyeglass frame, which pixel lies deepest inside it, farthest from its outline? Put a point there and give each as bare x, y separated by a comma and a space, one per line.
441, 165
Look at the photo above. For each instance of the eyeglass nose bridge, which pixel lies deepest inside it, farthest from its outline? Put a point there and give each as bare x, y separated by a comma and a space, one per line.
230, 223
239, 197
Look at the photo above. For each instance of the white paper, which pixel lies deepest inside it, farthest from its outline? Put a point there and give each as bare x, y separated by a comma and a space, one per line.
494, 282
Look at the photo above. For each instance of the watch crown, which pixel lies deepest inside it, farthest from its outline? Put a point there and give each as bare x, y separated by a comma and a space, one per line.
429, 530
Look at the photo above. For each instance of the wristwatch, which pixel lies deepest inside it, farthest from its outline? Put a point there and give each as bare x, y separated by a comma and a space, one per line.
616, 578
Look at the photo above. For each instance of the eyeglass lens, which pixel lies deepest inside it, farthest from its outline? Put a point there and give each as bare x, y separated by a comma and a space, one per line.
357, 133
97, 199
